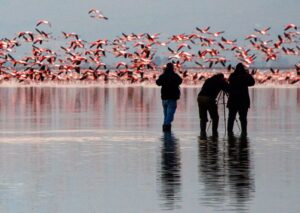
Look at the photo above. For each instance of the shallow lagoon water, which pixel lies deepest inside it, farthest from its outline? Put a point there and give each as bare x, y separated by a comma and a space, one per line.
96, 149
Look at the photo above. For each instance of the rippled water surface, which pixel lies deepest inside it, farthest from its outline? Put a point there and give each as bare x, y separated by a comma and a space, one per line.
102, 150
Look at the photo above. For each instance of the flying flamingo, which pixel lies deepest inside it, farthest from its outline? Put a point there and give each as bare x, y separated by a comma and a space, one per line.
43, 22
94, 13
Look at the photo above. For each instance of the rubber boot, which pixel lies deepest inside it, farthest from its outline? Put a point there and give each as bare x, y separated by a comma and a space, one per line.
244, 128
230, 126
215, 124
203, 130
167, 128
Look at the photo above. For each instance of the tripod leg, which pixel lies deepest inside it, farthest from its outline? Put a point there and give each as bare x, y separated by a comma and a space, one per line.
238, 124
224, 111
223, 94
209, 123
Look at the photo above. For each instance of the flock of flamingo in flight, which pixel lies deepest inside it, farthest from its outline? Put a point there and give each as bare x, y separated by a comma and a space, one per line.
78, 60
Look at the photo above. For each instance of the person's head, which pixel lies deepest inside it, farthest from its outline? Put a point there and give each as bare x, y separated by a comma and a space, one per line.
218, 77
240, 68
169, 68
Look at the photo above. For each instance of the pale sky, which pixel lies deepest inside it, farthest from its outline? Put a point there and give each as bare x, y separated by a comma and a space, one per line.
237, 17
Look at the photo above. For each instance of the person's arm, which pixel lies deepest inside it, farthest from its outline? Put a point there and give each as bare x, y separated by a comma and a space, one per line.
250, 80
225, 86
159, 81
179, 80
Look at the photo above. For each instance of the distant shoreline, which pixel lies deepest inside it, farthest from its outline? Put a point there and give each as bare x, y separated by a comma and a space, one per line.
77, 84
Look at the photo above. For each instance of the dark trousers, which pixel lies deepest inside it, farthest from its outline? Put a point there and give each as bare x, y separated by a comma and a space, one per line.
243, 111
205, 105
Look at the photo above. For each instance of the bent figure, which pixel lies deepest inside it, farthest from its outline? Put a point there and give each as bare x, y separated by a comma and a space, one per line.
170, 93
239, 100
207, 102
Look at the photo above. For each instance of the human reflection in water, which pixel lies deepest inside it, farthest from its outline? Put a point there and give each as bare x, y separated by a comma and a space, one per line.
241, 180
169, 174
225, 172
211, 171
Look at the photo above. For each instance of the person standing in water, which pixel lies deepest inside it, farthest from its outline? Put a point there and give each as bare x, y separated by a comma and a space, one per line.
207, 102
170, 93
239, 100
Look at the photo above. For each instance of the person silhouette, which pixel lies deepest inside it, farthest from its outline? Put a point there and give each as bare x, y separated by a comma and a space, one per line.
170, 93
207, 102
239, 100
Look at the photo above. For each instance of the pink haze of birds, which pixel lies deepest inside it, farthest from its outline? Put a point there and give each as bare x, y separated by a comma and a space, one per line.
204, 48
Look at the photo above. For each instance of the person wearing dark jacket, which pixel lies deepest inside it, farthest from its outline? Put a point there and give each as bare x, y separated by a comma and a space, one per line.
207, 102
170, 93
239, 100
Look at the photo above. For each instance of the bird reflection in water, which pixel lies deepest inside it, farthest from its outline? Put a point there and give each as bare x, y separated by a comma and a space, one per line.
225, 171
169, 174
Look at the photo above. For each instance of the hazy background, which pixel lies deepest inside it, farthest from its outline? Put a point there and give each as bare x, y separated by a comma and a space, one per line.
236, 17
